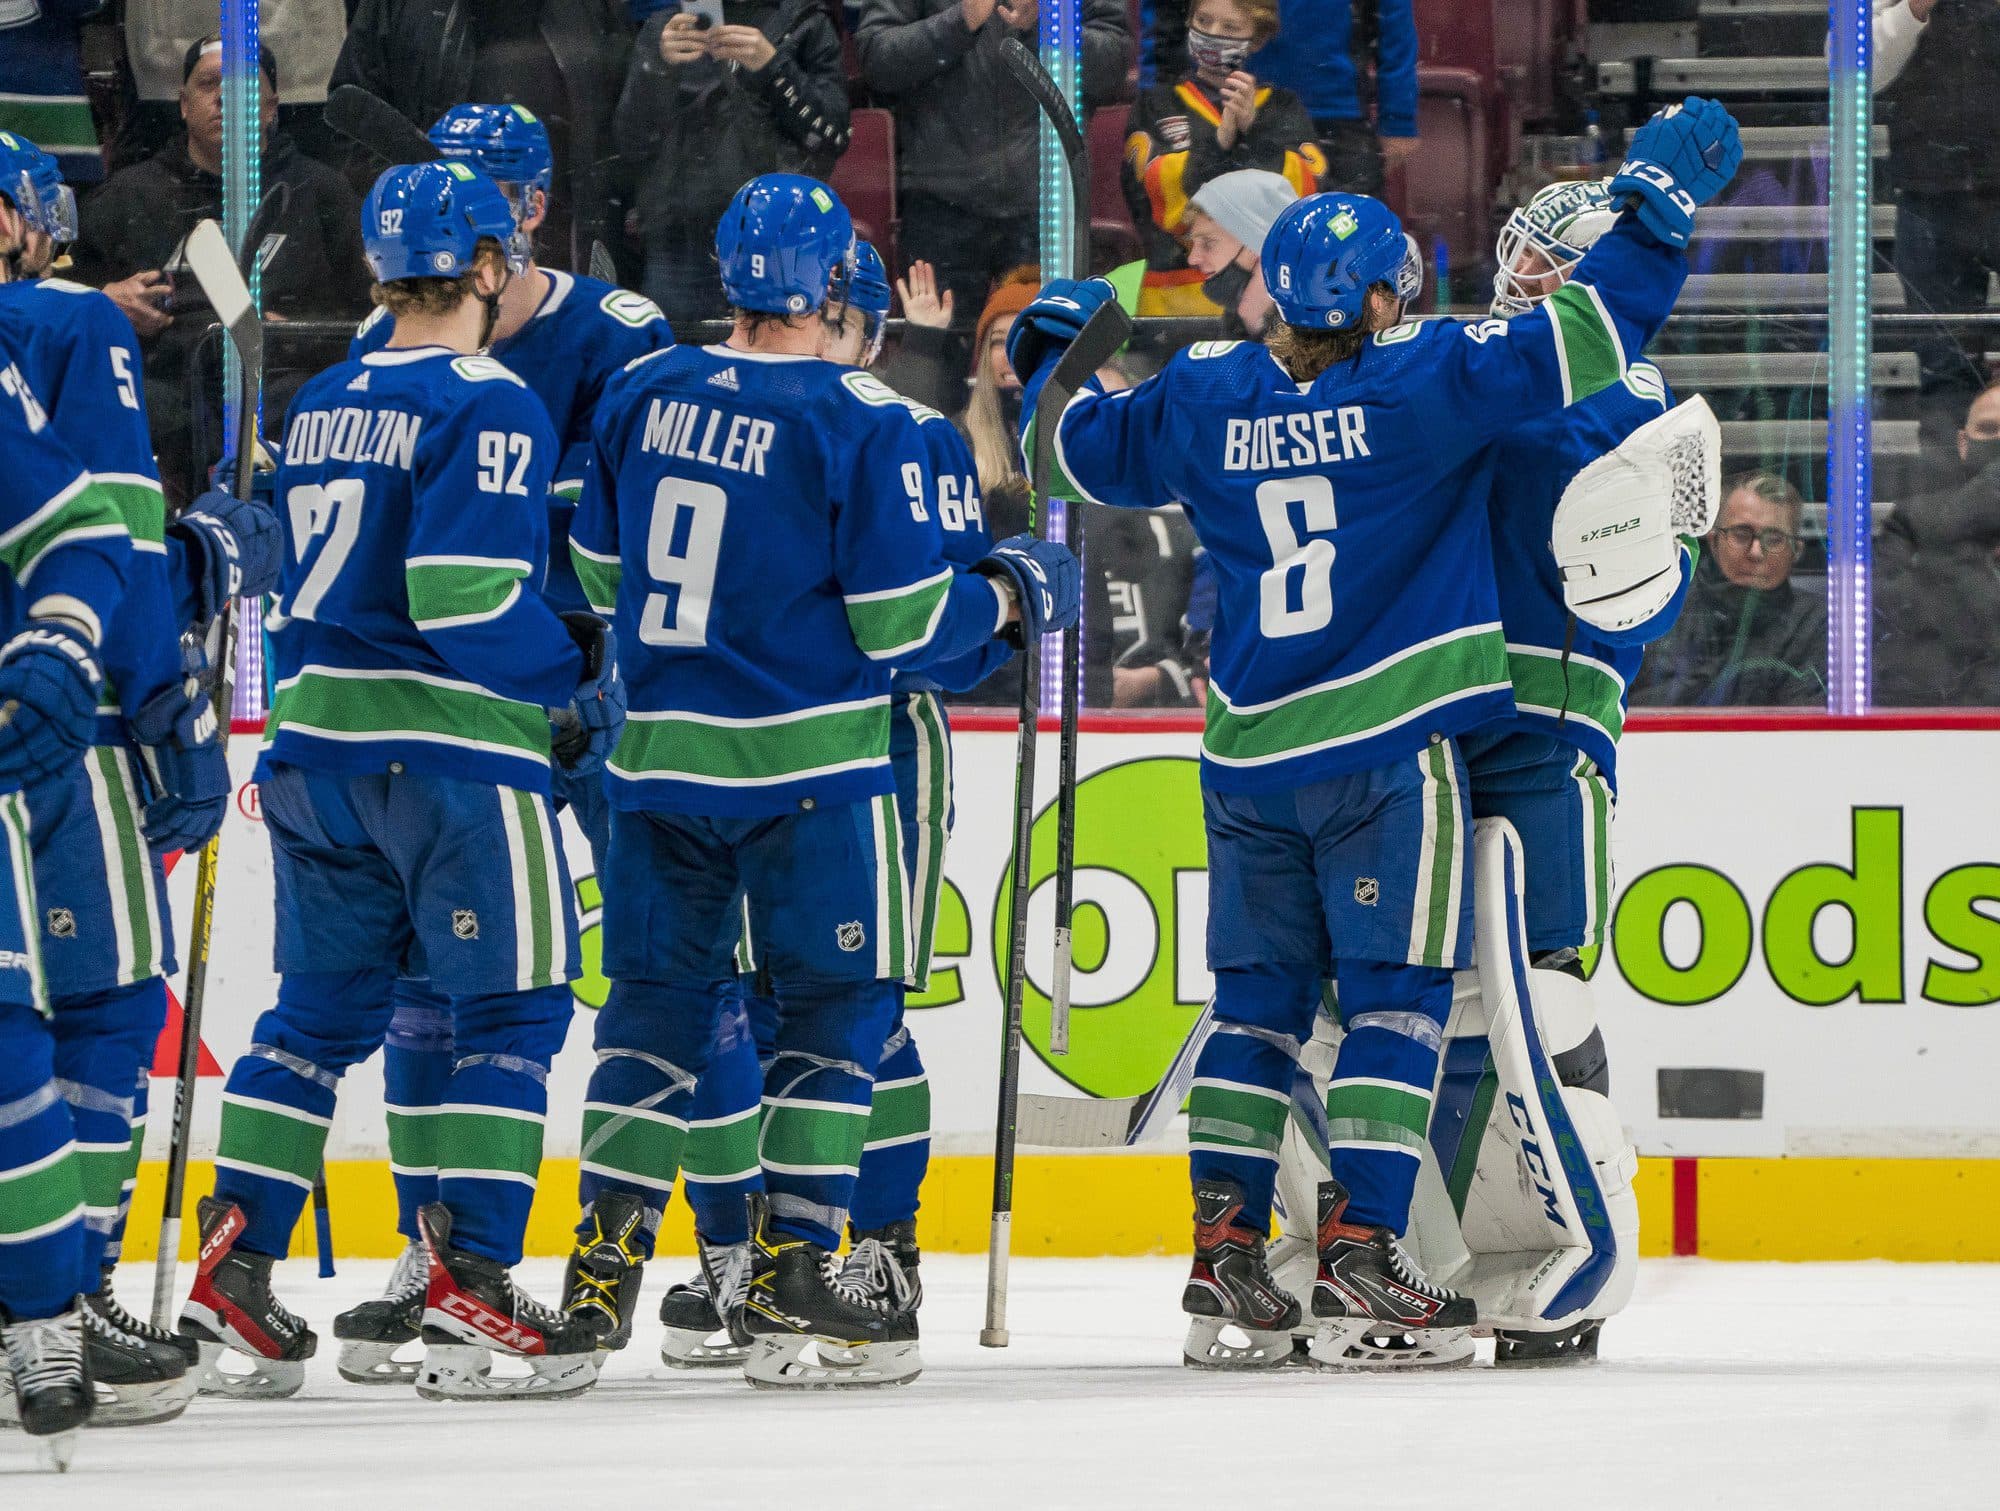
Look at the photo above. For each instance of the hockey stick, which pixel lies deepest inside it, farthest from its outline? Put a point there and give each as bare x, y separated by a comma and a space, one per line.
375, 124
1102, 334
602, 268
215, 269
322, 1224
1060, 1122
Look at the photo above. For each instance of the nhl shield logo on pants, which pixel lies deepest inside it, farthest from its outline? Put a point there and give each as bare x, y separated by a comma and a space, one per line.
464, 923
850, 936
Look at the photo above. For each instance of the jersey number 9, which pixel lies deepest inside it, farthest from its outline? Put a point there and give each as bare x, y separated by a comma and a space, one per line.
683, 545
1295, 597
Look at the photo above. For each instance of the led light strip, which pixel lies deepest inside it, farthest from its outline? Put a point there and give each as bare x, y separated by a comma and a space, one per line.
1062, 55
242, 190
1849, 432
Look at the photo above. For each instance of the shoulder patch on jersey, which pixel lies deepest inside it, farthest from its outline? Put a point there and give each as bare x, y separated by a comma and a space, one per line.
640, 361
628, 308
1201, 351
64, 286
484, 370
1646, 382
1409, 330
870, 389
924, 413
375, 318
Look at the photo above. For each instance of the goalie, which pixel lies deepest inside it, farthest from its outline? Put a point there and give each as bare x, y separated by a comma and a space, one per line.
1525, 1200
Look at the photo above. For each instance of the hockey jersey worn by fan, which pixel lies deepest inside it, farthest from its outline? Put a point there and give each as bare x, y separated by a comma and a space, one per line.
1570, 678
765, 530
961, 516
413, 494
583, 332
1357, 616
81, 360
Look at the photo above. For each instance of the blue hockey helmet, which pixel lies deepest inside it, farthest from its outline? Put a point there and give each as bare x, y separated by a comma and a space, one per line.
504, 142
32, 182
786, 245
868, 291
426, 220
1325, 251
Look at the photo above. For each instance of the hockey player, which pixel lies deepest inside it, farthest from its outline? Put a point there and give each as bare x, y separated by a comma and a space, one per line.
66, 554
564, 335
1335, 477
406, 790
154, 781
765, 521
720, 1156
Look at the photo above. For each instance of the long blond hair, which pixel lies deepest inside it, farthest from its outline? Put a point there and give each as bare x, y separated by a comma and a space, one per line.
994, 449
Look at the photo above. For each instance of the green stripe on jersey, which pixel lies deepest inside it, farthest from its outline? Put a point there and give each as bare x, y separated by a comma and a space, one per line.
413, 1138
900, 1112
85, 510
270, 1137
142, 506
470, 1140
402, 705
1246, 1119
599, 576
816, 1138
1586, 342
641, 1147
1593, 692
1358, 707
39, 1198
898, 620
722, 1149
446, 592
1368, 1112
754, 752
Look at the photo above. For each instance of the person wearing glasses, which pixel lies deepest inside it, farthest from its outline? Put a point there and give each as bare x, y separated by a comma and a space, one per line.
1749, 635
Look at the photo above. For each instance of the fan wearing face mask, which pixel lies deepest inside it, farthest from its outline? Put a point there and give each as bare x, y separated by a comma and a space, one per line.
1218, 119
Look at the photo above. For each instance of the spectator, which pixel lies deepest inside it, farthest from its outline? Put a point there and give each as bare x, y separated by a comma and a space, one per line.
307, 34
1935, 63
42, 89
1937, 595
133, 229
1227, 221
1338, 57
561, 59
706, 109
1217, 119
1747, 636
966, 141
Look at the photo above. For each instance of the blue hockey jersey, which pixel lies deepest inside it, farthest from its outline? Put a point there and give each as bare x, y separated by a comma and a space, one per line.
764, 531
1357, 614
82, 360
1569, 679
414, 493
584, 331
961, 516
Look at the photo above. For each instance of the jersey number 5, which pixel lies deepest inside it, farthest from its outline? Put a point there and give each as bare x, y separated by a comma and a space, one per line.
1295, 597
683, 545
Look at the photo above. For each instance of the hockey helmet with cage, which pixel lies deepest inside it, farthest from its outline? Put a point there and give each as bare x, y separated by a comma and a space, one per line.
1326, 251
868, 292
31, 181
426, 220
786, 245
1559, 223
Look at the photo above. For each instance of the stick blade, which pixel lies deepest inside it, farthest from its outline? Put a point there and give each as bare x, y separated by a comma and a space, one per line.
214, 267
1059, 1122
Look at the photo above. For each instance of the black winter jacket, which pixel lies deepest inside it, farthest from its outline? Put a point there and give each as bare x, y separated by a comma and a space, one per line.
1937, 599
691, 134
1737, 647
1940, 109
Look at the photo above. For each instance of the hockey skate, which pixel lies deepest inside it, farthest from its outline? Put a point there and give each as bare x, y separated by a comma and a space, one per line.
883, 1263
231, 1311
601, 1282
1239, 1318
373, 1334
809, 1327
1374, 1308
140, 1373
1576, 1344
703, 1317
48, 1388
471, 1306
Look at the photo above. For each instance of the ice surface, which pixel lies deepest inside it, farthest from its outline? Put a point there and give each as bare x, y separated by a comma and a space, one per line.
1731, 1385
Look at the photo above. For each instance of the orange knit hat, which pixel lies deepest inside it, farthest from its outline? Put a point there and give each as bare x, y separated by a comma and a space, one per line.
1014, 293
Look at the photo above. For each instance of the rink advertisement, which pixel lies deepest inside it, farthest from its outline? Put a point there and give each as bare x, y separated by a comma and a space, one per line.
1805, 952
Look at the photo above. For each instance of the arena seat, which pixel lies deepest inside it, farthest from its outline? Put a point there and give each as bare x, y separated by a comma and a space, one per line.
865, 179
1444, 190
1524, 47
1113, 237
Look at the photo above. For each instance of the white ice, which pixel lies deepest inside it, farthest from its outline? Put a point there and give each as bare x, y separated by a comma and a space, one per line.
1726, 1385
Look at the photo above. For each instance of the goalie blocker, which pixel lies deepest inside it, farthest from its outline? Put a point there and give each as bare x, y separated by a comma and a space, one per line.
1524, 1198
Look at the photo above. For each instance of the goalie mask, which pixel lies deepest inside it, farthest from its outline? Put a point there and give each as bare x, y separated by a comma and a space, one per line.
1544, 240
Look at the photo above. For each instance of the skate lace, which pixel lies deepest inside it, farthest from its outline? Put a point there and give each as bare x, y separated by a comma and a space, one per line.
411, 1274
725, 1276
44, 1354
849, 1290
110, 1317
1406, 1271
872, 1266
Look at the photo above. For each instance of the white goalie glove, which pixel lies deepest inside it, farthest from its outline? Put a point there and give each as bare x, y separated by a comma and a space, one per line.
1617, 529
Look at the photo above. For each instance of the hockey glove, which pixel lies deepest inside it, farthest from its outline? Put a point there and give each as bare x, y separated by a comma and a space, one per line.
1058, 314
49, 677
180, 745
587, 731
1045, 580
1683, 157
232, 549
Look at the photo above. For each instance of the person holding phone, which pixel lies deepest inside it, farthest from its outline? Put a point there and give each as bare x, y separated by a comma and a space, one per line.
720, 91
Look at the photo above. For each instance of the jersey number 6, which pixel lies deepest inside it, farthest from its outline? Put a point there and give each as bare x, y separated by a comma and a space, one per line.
682, 546
1295, 558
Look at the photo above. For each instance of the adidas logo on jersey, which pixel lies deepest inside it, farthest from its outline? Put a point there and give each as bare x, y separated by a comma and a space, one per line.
359, 385
726, 379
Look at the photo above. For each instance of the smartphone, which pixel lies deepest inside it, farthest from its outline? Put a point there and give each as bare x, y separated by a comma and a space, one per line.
709, 12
